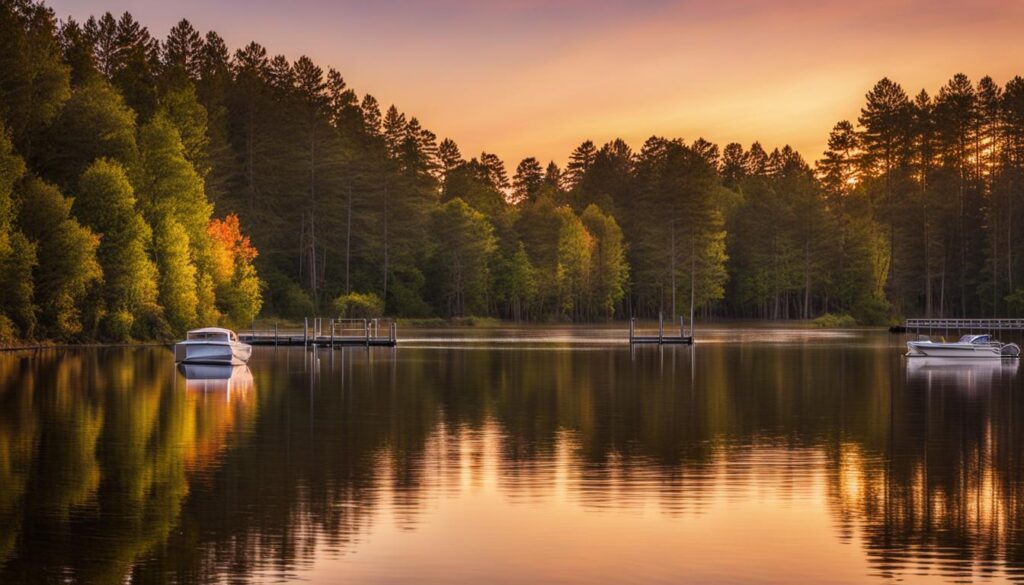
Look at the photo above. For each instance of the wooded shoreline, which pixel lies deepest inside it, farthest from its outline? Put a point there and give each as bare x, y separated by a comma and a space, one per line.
149, 185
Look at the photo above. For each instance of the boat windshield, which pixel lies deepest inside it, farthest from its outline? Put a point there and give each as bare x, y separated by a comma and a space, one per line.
207, 336
975, 339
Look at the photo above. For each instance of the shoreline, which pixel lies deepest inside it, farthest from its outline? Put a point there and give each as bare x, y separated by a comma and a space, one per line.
482, 324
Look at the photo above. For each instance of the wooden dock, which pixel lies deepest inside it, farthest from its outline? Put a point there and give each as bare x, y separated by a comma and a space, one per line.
321, 332
661, 338
947, 326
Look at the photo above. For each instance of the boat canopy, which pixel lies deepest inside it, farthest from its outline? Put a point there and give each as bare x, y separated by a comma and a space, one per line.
975, 339
212, 334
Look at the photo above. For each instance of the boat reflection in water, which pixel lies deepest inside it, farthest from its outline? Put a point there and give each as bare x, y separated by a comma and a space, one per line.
217, 378
964, 374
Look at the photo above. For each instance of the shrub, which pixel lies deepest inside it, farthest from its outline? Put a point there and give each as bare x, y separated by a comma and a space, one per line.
830, 321
359, 305
292, 302
873, 312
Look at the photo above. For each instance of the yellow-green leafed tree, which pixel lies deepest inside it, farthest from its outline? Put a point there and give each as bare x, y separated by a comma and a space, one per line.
68, 269
106, 203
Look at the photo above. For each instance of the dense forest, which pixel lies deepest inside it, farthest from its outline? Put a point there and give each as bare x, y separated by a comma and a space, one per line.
148, 185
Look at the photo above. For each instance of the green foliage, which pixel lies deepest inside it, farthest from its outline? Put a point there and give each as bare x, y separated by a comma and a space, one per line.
242, 298
1015, 301
573, 269
68, 268
517, 282
178, 294
180, 106
915, 209
288, 299
106, 204
8, 331
95, 123
167, 185
117, 326
873, 311
830, 321
34, 83
16, 286
463, 258
359, 305
610, 271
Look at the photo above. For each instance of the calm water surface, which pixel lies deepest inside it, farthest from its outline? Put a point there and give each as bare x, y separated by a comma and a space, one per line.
515, 456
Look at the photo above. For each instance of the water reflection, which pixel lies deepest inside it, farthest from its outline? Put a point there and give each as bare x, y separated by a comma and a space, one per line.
217, 378
113, 465
966, 374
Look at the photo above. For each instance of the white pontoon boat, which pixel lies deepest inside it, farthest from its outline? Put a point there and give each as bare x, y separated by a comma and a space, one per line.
969, 346
212, 345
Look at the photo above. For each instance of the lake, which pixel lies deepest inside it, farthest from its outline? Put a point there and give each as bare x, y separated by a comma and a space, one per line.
515, 456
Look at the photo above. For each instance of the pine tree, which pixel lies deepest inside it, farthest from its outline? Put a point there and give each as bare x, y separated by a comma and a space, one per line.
34, 82
495, 171
956, 119
579, 162
529, 178
182, 53
886, 143
78, 51
137, 60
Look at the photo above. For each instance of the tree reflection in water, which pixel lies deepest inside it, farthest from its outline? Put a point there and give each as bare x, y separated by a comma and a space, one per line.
113, 464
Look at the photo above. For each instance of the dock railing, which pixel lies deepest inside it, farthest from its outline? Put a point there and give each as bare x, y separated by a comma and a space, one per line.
327, 331
958, 325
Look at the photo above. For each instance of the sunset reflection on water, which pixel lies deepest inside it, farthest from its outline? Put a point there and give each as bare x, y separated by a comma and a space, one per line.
809, 459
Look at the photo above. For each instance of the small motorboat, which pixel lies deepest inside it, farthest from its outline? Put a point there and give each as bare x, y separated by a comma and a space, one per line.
969, 346
212, 345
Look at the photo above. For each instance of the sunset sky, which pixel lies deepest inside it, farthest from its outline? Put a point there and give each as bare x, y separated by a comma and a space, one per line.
530, 77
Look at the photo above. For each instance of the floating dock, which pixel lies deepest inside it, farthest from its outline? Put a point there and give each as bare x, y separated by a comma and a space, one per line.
947, 326
661, 338
321, 332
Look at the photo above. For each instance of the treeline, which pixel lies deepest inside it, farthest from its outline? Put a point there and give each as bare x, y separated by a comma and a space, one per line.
359, 209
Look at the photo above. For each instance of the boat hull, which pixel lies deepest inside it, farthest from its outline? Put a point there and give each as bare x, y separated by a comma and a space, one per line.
210, 352
952, 350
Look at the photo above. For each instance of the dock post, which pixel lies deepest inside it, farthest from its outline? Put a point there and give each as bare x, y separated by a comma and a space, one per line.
632, 328
332, 333
275, 333
366, 330
305, 331
661, 326
682, 327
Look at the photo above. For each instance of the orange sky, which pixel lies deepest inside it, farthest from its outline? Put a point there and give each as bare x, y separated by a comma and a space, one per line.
533, 78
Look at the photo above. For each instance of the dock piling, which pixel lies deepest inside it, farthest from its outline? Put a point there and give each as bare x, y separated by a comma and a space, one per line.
661, 338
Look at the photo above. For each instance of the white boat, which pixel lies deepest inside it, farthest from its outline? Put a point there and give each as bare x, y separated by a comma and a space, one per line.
969, 346
212, 345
